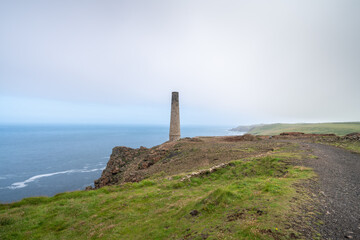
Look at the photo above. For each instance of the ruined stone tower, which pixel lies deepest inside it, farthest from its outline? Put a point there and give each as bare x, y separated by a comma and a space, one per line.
175, 118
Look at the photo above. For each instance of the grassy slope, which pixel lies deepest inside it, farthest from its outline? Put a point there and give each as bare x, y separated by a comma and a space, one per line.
252, 199
353, 146
336, 128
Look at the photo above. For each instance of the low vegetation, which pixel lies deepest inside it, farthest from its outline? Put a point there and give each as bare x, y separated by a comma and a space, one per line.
251, 198
353, 146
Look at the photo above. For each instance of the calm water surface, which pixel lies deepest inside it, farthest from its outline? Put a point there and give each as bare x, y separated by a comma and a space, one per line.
46, 160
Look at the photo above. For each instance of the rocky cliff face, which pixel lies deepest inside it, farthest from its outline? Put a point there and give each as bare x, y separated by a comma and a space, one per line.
125, 165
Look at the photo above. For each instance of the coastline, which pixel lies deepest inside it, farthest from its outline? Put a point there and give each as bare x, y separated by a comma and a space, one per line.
47, 160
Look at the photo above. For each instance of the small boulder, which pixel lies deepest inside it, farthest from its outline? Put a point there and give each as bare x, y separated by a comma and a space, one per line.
194, 213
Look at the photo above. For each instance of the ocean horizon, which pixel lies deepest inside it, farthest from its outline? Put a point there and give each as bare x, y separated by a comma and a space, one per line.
43, 160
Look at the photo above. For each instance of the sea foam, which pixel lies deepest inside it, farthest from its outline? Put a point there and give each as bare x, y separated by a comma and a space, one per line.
32, 179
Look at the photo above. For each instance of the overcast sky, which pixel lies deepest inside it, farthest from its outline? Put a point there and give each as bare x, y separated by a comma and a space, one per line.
233, 62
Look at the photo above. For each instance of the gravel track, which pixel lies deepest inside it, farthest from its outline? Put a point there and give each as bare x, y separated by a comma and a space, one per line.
338, 190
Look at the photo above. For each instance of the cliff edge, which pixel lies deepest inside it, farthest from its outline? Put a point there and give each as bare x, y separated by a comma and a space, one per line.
190, 154
133, 165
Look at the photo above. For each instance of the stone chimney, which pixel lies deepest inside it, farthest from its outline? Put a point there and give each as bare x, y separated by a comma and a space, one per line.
175, 118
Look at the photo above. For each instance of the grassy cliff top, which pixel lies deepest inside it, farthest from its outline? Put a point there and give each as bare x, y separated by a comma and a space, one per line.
340, 129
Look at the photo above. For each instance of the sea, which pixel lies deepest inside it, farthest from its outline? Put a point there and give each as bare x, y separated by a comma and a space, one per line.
43, 160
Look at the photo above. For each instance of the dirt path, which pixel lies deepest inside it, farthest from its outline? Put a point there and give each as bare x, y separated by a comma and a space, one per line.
339, 190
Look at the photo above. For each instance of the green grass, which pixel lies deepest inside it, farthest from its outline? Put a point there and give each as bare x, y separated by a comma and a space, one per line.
246, 200
353, 146
324, 128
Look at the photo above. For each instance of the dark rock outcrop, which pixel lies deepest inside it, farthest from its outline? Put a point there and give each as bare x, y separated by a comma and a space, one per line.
352, 136
125, 163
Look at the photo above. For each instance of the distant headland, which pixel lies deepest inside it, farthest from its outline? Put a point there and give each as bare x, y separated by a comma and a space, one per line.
338, 128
